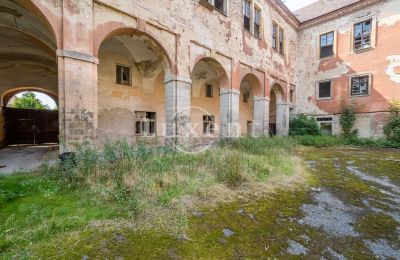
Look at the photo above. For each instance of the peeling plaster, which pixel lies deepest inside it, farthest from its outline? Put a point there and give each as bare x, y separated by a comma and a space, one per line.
393, 70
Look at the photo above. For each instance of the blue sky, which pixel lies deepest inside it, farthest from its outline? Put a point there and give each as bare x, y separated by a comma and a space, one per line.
297, 4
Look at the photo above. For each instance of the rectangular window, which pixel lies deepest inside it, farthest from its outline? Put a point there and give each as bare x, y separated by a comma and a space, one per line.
362, 34
325, 124
274, 36
326, 43
246, 98
123, 75
257, 22
324, 89
359, 85
145, 123
291, 95
246, 15
281, 41
208, 124
219, 5
209, 91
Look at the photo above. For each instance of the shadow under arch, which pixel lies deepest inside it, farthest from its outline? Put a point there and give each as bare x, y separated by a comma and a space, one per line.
153, 44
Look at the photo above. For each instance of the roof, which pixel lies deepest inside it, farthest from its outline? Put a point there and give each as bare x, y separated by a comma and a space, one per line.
320, 8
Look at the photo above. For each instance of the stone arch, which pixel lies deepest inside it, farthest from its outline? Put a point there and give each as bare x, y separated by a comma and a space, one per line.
250, 89
278, 111
6, 96
103, 34
29, 39
209, 78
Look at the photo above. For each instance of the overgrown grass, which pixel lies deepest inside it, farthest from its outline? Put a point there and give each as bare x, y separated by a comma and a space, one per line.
136, 182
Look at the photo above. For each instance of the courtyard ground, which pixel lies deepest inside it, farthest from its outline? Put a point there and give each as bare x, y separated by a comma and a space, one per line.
349, 208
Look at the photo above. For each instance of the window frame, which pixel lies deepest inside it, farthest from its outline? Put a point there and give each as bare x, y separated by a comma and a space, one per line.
275, 33
369, 86
210, 5
372, 34
331, 89
249, 17
145, 122
334, 46
130, 74
206, 92
329, 121
210, 123
255, 25
281, 42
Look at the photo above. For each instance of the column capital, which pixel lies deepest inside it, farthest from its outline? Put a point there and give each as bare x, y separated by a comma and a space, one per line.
229, 91
170, 78
260, 98
77, 56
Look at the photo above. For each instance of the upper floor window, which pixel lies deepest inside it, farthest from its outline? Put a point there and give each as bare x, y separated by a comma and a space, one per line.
281, 41
362, 35
123, 75
257, 22
219, 5
360, 85
274, 36
326, 42
209, 91
246, 14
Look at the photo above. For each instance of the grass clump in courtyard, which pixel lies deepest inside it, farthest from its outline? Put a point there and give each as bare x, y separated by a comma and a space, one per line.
150, 187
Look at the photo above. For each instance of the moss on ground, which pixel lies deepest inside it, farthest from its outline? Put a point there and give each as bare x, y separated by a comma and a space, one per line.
261, 227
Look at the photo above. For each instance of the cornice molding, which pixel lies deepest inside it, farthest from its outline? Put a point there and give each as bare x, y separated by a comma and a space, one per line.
339, 13
282, 10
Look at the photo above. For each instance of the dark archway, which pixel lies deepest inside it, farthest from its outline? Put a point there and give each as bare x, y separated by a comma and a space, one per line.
28, 58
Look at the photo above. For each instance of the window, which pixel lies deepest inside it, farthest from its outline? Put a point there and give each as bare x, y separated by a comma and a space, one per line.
325, 124
209, 91
246, 97
145, 123
257, 22
359, 85
246, 15
326, 43
291, 95
362, 34
281, 40
123, 75
219, 5
208, 124
275, 36
324, 89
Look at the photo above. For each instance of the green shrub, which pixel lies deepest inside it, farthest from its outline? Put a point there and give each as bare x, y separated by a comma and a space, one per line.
392, 128
347, 121
302, 125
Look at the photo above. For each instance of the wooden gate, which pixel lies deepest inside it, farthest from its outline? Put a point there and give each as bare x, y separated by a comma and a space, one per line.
28, 126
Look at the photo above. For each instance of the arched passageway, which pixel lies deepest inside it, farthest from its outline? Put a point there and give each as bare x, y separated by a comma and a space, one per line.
131, 91
278, 112
250, 89
208, 77
28, 62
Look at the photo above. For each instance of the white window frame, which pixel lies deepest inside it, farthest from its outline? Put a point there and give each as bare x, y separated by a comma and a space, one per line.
250, 15
369, 75
210, 129
129, 83
331, 90
145, 123
374, 28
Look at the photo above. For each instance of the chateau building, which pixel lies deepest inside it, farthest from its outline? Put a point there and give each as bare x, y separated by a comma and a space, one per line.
186, 71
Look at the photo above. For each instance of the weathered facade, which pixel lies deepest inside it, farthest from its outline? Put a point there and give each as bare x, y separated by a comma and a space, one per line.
176, 71
377, 62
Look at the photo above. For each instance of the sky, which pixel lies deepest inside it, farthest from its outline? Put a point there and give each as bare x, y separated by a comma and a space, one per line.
297, 4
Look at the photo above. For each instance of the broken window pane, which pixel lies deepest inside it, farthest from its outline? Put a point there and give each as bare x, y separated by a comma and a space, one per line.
246, 15
362, 34
123, 75
360, 86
